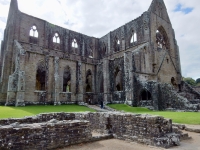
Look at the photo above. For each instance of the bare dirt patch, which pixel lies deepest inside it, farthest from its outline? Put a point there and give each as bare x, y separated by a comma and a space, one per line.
115, 144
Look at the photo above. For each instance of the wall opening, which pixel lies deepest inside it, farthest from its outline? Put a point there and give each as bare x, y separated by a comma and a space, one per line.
33, 35
88, 81
90, 52
40, 77
56, 38
118, 80
67, 80
145, 95
33, 31
116, 45
74, 46
162, 39
135, 37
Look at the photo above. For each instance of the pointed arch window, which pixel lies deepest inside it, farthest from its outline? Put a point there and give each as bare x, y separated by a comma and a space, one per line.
56, 38
33, 31
116, 45
133, 38
33, 35
162, 39
74, 43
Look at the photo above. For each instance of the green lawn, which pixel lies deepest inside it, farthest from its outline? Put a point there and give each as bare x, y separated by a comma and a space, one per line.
178, 117
18, 112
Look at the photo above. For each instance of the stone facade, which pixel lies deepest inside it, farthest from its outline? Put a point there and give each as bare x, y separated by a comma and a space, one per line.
42, 63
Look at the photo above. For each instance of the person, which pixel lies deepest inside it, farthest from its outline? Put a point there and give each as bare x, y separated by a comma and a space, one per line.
101, 104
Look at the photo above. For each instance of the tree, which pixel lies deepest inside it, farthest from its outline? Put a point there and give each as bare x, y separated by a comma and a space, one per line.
197, 80
190, 81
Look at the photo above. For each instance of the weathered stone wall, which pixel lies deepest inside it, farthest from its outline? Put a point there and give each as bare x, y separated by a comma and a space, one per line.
33, 133
197, 88
145, 129
190, 93
48, 135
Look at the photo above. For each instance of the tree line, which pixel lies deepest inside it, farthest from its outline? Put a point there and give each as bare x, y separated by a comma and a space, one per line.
191, 81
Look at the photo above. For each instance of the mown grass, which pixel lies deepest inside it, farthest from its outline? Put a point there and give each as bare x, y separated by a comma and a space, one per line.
177, 117
19, 112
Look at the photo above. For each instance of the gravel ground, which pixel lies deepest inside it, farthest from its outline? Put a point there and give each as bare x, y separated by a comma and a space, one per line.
115, 144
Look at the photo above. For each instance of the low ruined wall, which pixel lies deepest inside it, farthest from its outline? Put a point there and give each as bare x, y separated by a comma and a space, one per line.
39, 118
146, 129
49, 135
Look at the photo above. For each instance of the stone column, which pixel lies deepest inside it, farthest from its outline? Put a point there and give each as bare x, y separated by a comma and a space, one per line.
16, 83
79, 83
106, 80
56, 81
47, 76
128, 78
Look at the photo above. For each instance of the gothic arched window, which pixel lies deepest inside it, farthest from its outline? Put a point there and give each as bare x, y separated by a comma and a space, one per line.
33, 35
116, 45
56, 38
162, 39
74, 46
33, 31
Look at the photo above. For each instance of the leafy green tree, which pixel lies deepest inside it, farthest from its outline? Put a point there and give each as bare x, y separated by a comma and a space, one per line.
197, 80
190, 81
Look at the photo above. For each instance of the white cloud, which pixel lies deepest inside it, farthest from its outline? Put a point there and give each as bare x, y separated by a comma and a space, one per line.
98, 17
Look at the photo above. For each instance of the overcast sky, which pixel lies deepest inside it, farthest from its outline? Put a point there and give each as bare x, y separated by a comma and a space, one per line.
98, 17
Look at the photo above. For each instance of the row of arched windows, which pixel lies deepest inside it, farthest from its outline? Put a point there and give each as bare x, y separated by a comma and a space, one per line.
41, 79
56, 38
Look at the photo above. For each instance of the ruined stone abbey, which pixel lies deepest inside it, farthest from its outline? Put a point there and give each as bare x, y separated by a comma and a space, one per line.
137, 63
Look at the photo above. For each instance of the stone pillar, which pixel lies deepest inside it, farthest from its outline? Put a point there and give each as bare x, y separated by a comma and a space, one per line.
128, 78
47, 76
79, 83
16, 82
106, 80
56, 81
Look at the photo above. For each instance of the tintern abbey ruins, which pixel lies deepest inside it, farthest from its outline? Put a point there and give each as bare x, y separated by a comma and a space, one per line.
137, 64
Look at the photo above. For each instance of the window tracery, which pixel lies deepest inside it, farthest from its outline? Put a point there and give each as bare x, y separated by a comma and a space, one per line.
56, 38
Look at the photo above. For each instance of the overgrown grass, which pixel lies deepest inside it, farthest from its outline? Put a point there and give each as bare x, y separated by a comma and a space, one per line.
18, 112
177, 117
